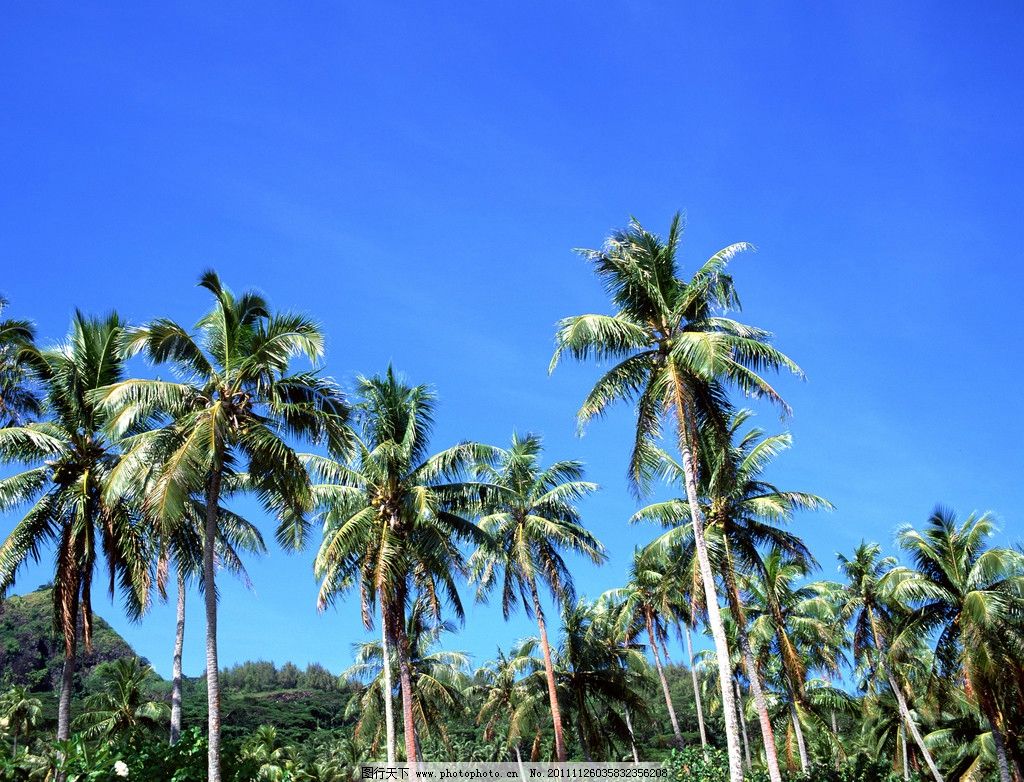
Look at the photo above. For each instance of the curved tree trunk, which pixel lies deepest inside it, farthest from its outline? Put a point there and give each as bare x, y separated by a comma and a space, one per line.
906, 758
67, 682
732, 738
549, 671
661, 675
753, 674
835, 732
210, 597
696, 690
519, 761
389, 711
179, 644
743, 725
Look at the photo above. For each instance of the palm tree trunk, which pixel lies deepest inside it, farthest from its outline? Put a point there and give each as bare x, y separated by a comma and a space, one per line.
14, 746
549, 670
732, 739
397, 623
519, 762
799, 732
632, 737
67, 682
906, 759
696, 690
914, 732
210, 596
743, 725
750, 666
901, 702
997, 738
661, 675
389, 713
835, 732
179, 644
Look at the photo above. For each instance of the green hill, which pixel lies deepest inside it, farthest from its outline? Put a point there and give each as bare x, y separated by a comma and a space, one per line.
32, 652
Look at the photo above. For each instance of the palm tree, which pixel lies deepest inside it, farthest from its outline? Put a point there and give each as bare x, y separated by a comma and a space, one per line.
972, 598
647, 600
677, 353
122, 705
70, 460
531, 516
392, 520
506, 697
19, 712
181, 549
234, 404
438, 675
18, 400
599, 675
876, 616
745, 512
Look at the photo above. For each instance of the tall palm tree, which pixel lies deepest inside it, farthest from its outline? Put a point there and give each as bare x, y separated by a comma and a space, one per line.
745, 512
972, 597
531, 516
19, 713
233, 405
18, 400
180, 549
876, 615
70, 460
677, 354
647, 600
392, 522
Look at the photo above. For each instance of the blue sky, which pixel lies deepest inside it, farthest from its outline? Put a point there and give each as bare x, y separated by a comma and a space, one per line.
415, 176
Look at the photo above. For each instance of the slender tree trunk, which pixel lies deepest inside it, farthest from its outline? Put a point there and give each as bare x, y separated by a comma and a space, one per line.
743, 725
14, 745
179, 644
906, 759
549, 670
753, 675
794, 713
519, 762
914, 732
901, 702
389, 713
835, 732
210, 596
696, 691
397, 622
632, 737
998, 739
661, 675
711, 600
67, 684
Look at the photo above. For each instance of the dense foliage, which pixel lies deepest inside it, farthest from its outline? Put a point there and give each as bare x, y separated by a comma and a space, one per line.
908, 666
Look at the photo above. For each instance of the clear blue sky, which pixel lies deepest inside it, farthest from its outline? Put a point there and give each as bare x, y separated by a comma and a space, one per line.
416, 175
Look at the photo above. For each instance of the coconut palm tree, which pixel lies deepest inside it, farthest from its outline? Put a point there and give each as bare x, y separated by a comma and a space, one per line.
877, 616
745, 512
181, 549
392, 522
972, 598
647, 601
438, 675
70, 459
122, 705
531, 516
677, 354
234, 404
507, 698
18, 400
19, 713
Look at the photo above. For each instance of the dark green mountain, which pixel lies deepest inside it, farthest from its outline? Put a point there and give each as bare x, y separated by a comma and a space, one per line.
32, 652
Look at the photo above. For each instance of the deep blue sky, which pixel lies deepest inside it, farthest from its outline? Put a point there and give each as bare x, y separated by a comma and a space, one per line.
416, 175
